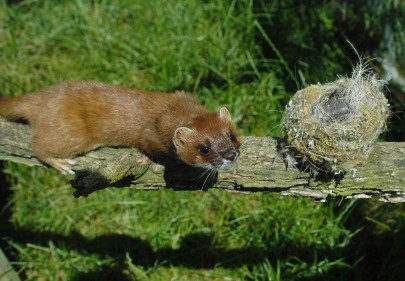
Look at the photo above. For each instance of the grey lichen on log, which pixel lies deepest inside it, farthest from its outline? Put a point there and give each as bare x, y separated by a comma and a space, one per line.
260, 169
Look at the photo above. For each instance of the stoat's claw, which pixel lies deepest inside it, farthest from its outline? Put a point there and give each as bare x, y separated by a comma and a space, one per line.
71, 161
67, 172
62, 165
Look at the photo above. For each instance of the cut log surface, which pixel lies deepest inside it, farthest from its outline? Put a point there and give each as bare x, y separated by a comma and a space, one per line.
260, 169
7, 272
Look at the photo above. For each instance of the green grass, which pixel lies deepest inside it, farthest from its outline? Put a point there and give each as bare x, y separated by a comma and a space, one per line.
226, 53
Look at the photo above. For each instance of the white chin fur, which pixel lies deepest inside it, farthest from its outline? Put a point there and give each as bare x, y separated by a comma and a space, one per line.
204, 166
227, 165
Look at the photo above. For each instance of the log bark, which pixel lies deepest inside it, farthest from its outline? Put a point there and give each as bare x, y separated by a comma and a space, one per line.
7, 272
260, 169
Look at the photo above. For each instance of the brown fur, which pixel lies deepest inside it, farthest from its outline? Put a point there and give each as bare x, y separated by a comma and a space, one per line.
75, 117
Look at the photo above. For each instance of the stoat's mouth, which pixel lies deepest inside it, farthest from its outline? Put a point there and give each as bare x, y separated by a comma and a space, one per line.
218, 163
226, 164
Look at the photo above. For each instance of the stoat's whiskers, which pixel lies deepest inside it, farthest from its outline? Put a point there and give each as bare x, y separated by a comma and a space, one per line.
211, 173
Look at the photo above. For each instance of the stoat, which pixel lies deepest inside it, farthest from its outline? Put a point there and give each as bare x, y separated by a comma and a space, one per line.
74, 117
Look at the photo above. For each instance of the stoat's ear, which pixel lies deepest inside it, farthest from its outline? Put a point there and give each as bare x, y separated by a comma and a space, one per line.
224, 114
181, 135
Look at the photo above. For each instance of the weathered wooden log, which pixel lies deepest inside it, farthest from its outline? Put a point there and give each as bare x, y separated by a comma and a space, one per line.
260, 169
7, 272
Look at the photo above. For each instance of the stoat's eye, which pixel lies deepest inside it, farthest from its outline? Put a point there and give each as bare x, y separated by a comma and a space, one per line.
204, 149
232, 137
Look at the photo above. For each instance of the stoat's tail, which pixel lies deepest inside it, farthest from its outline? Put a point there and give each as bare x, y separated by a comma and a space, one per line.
13, 108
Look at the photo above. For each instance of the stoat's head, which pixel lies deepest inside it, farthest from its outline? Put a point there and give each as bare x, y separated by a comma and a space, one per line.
210, 141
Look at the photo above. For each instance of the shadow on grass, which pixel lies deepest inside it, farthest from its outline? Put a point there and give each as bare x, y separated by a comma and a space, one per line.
378, 251
371, 257
103, 273
197, 250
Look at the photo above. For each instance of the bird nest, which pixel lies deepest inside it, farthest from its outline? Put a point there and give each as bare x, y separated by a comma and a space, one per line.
332, 127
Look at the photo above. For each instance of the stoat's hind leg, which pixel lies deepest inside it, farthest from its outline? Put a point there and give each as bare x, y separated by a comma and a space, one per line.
54, 154
62, 165
55, 148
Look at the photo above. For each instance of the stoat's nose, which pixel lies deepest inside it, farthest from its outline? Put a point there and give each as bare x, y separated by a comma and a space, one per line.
230, 155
